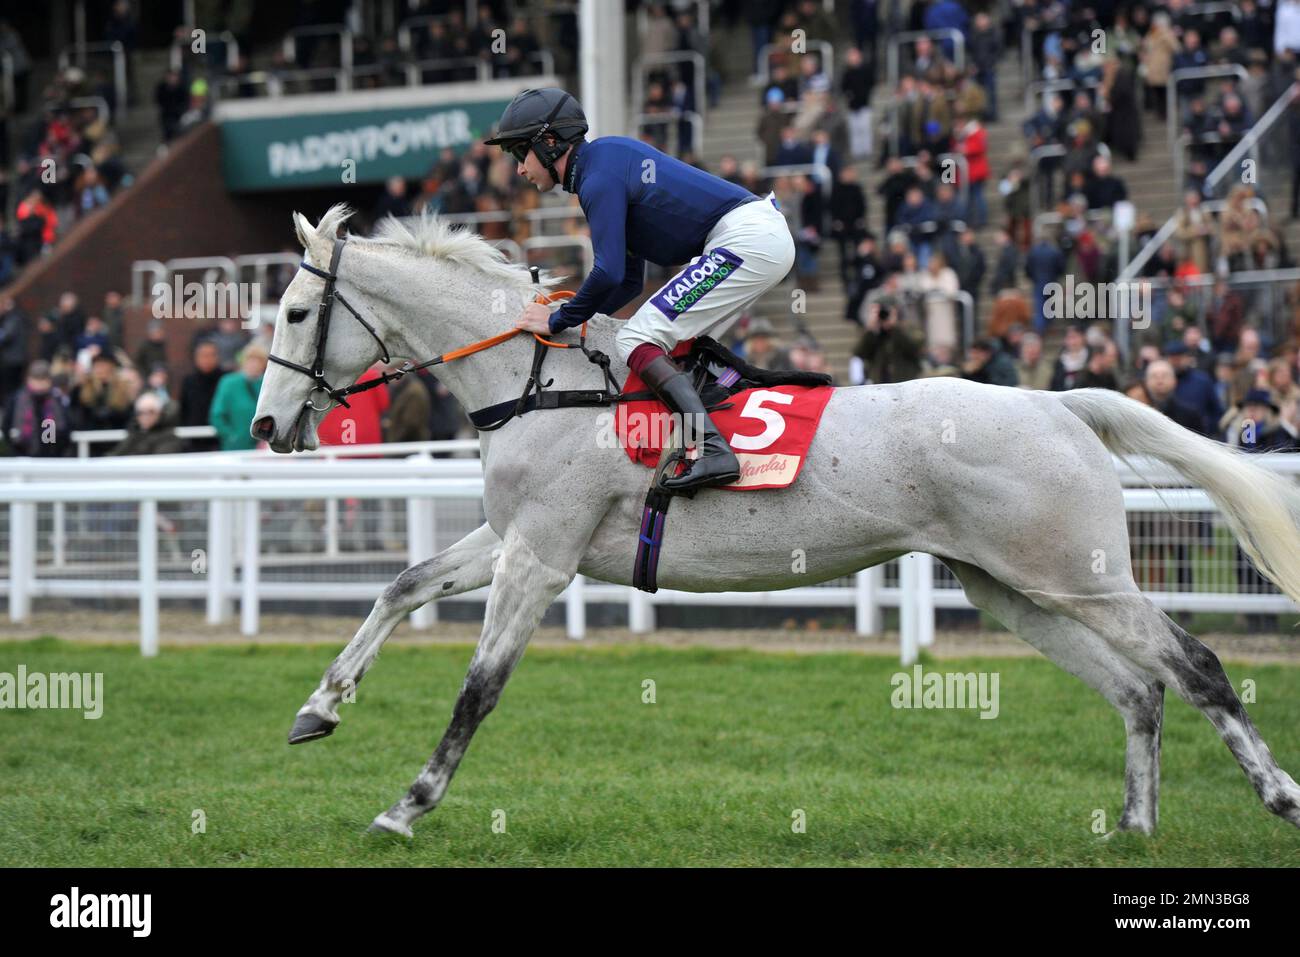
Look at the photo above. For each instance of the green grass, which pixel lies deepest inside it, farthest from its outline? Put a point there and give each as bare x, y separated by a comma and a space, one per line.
588, 775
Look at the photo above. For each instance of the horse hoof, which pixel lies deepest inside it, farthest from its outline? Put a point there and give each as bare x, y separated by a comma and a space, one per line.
382, 825
308, 727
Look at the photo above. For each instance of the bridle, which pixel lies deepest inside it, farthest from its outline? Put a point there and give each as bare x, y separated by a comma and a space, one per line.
484, 420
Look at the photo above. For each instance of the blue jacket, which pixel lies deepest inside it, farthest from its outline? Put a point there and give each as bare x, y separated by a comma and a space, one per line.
1196, 390
641, 205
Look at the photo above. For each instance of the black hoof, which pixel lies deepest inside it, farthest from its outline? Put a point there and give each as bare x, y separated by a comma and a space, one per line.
309, 727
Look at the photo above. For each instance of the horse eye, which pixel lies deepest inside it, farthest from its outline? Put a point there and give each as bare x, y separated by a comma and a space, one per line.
297, 315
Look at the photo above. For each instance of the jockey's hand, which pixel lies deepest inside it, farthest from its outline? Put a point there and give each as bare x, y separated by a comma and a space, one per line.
536, 317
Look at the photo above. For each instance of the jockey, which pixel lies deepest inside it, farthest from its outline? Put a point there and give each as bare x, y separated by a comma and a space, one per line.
643, 205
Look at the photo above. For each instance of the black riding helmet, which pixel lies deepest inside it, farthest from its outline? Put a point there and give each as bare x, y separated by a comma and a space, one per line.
530, 116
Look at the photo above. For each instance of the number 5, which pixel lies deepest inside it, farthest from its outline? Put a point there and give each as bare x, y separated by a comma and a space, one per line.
773, 421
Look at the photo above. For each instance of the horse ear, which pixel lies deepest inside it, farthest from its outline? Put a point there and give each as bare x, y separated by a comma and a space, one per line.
311, 240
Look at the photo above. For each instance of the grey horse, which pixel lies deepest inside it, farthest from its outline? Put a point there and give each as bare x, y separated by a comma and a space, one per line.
1014, 490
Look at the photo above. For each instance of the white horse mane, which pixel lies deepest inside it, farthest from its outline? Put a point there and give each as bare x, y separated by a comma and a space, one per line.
429, 235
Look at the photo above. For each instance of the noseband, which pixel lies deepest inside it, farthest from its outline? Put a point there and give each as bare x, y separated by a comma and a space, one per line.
484, 419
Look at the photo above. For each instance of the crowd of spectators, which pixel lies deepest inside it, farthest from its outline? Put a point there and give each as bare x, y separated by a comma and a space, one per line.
89, 376
66, 158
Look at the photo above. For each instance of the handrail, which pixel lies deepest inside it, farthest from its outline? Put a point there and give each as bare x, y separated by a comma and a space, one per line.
1186, 139
1027, 38
659, 59
119, 65
415, 69
674, 116
911, 36
1052, 86
1262, 125
821, 170
340, 30
81, 102
765, 52
176, 56
1173, 117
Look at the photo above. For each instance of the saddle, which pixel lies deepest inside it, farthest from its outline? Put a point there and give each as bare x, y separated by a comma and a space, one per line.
718, 375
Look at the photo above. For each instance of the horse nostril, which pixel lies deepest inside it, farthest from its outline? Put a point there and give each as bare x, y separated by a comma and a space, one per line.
264, 428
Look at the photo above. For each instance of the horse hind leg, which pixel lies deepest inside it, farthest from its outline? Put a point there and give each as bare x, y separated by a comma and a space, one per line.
1147, 637
462, 567
1137, 696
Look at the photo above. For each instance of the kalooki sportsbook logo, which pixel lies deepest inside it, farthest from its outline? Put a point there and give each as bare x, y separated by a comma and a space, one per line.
693, 282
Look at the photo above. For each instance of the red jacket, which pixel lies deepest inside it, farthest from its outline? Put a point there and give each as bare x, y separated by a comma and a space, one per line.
359, 425
975, 147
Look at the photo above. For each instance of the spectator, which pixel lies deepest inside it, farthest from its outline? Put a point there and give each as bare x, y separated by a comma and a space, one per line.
1104, 190
1158, 50
1071, 362
151, 432
172, 99
103, 399
1044, 265
1032, 370
1160, 384
867, 274
1194, 389
771, 126
890, 348
760, 348
361, 424
1256, 428
38, 225
972, 143
855, 83
393, 201
1099, 373
197, 391
235, 400
986, 362
408, 417
984, 47
940, 310
37, 421
848, 209
153, 350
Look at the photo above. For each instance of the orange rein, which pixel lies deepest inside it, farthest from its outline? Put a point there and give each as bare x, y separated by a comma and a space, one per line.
544, 299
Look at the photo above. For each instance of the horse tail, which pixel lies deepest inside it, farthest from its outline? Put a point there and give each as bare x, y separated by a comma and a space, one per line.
1261, 507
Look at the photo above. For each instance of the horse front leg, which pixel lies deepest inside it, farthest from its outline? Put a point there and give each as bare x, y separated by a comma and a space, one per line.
462, 567
523, 587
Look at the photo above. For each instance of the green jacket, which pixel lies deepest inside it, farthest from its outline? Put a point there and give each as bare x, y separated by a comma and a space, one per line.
231, 414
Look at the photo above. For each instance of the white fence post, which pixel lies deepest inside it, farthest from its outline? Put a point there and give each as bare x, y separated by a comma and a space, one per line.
924, 600
907, 611
22, 559
217, 561
248, 600
147, 530
866, 609
640, 612
575, 609
421, 546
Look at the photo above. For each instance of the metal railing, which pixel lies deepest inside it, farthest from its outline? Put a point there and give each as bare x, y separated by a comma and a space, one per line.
1216, 175
696, 122
644, 64
819, 172
1186, 140
1043, 87
176, 53
582, 243
290, 45
824, 49
211, 266
97, 103
898, 39
1173, 116
118, 53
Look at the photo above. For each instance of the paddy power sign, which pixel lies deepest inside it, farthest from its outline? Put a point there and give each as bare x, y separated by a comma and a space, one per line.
300, 141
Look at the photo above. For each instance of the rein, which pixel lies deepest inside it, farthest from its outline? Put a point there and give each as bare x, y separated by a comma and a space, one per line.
485, 420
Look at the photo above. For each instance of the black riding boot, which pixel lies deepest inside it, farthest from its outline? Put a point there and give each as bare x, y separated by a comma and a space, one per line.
717, 464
